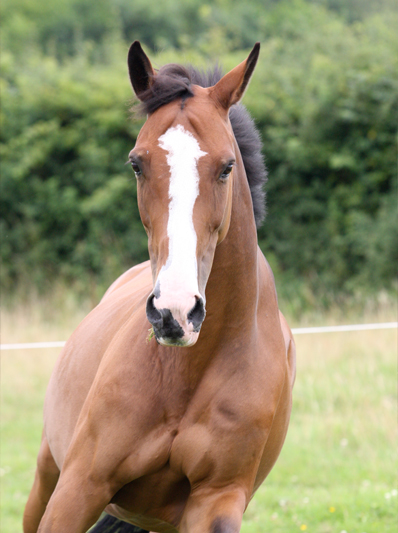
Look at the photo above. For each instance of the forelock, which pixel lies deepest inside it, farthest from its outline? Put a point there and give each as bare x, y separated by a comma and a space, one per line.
171, 83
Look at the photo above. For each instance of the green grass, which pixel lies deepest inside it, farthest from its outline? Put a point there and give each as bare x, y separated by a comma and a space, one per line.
337, 471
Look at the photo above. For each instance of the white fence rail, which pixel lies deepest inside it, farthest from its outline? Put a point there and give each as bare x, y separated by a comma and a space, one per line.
296, 331
351, 327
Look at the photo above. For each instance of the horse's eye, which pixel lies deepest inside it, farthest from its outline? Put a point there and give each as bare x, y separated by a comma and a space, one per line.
227, 171
136, 168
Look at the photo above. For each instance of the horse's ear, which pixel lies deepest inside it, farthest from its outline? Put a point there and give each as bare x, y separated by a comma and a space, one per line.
229, 90
140, 69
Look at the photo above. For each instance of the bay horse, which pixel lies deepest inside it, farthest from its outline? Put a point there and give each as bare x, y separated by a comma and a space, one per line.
175, 434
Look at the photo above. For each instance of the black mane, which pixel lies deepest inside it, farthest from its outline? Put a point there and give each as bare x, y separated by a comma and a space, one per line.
175, 81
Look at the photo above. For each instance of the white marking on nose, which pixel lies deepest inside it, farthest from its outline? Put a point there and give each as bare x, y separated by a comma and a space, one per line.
179, 274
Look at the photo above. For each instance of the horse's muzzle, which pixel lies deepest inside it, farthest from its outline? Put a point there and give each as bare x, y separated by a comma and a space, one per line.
173, 327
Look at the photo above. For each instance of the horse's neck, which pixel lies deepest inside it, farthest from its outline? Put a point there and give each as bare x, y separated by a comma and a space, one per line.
231, 294
232, 289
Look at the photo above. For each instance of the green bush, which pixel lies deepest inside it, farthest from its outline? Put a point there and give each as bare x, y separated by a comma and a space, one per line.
68, 201
328, 118
324, 95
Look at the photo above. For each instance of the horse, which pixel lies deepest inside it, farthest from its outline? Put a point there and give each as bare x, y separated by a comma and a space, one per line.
173, 427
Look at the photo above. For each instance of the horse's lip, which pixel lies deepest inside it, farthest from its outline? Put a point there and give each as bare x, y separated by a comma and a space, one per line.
180, 343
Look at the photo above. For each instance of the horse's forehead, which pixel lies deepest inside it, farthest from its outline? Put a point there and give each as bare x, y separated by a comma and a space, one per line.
181, 143
196, 117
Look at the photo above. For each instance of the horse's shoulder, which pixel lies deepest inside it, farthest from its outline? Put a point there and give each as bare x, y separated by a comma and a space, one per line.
290, 347
266, 276
268, 305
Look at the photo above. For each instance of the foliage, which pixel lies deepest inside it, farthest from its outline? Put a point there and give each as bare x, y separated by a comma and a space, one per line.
68, 200
324, 95
329, 127
64, 27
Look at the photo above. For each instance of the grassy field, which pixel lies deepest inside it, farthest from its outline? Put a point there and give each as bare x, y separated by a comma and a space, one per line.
338, 469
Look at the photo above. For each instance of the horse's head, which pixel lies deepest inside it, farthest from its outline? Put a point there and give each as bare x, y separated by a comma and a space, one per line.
184, 161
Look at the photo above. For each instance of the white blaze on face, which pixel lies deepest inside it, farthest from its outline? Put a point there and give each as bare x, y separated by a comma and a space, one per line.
178, 278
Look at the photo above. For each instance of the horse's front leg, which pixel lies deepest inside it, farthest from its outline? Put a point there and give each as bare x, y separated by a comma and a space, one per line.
93, 471
77, 502
214, 510
46, 478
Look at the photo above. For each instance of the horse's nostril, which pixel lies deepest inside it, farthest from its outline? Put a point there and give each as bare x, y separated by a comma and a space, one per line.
163, 322
166, 326
197, 314
154, 316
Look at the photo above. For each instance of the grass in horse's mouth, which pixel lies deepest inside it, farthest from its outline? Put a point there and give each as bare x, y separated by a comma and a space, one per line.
151, 334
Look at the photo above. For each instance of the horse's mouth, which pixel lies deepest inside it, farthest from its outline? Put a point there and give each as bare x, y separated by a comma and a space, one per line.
182, 342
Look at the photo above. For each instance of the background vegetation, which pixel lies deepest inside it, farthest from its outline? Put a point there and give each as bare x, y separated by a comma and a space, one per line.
324, 95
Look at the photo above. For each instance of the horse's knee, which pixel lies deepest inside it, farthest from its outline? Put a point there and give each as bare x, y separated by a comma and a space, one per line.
224, 525
214, 512
213, 524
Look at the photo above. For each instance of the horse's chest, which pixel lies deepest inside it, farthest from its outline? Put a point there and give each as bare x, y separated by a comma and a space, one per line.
224, 442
